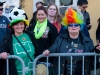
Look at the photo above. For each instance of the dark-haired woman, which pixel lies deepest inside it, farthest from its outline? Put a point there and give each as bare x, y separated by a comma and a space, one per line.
45, 33
55, 18
38, 5
13, 42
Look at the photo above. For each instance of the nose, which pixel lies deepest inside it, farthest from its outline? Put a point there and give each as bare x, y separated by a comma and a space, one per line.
73, 25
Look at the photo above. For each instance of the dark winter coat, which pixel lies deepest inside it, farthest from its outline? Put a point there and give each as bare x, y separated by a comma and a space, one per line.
98, 32
87, 18
33, 18
7, 46
60, 46
45, 43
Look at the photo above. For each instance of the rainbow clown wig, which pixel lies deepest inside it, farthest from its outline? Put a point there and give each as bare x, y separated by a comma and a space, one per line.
73, 15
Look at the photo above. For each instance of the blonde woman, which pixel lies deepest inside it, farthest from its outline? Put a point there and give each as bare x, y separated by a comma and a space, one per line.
55, 18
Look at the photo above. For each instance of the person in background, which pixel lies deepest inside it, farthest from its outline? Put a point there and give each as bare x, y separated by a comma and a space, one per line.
83, 4
55, 18
98, 32
4, 22
18, 42
98, 39
38, 4
45, 33
73, 41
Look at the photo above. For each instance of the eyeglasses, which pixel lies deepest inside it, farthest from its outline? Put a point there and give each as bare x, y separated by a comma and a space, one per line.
73, 25
1, 9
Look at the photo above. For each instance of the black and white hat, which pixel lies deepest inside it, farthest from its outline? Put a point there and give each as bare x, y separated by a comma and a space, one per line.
1, 3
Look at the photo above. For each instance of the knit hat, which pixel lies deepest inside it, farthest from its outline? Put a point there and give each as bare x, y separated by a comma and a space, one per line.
17, 15
73, 15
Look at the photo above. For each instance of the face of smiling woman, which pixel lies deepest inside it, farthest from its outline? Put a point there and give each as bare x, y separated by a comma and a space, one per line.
41, 16
73, 28
18, 28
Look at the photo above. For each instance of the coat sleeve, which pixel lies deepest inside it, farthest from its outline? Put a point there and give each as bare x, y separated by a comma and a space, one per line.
4, 46
53, 33
88, 19
98, 32
91, 46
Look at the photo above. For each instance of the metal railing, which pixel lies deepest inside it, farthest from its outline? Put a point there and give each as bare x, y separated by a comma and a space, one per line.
18, 58
59, 55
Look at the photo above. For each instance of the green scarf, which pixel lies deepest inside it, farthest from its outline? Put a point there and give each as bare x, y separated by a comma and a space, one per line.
41, 27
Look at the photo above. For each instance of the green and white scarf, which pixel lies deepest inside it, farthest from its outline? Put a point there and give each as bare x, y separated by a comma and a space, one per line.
41, 27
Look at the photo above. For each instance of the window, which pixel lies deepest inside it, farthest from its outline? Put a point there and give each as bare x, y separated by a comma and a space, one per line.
62, 4
46, 2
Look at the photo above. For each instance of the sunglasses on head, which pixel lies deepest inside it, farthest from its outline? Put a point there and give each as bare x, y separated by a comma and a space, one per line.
1, 9
73, 25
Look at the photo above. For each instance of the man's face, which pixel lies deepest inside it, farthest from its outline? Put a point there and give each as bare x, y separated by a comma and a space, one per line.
83, 7
1, 10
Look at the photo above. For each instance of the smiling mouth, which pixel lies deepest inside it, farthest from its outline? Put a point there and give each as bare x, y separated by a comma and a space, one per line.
73, 29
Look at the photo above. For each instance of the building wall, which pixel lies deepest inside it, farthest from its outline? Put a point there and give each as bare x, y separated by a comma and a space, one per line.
93, 9
28, 8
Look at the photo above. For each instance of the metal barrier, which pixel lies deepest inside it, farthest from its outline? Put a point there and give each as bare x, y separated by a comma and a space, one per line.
18, 58
66, 54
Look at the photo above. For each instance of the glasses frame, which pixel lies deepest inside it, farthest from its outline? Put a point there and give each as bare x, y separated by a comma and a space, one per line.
73, 25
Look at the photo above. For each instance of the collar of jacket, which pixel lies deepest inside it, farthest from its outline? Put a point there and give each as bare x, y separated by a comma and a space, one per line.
83, 37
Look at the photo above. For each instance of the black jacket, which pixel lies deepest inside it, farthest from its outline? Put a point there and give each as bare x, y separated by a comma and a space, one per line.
33, 18
98, 32
87, 18
61, 46
7, 46
45, 43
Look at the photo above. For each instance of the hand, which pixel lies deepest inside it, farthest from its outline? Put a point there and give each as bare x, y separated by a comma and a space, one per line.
4, 55
98, 47
46, 52
89, 26
97, 41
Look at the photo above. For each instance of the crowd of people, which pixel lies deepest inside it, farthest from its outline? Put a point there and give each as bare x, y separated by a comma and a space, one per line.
47, 32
